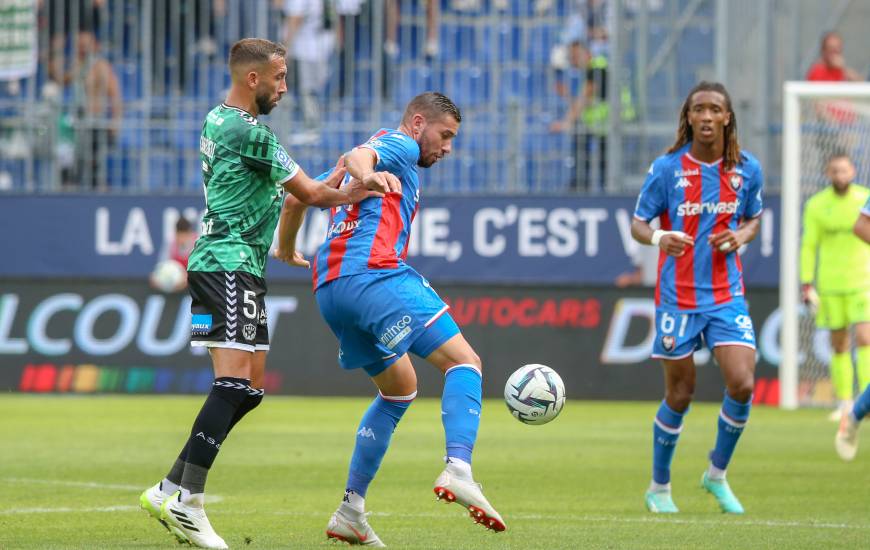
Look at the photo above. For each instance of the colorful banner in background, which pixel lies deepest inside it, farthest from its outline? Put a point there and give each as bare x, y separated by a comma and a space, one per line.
18, 50
475, 240
122, 337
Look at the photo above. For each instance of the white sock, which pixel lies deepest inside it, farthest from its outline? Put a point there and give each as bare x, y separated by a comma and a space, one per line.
354, 500
459, 467
660, 487
715, 473
167, 487
195, 500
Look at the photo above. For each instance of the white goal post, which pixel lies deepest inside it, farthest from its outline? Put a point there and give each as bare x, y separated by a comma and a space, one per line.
803, 105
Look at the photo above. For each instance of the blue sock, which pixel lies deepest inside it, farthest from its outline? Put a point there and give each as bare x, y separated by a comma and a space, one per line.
372, 439
460, 410
666, 430
732, 419
862, 404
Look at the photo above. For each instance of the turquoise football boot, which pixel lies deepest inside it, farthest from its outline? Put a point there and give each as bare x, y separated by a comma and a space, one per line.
719, 488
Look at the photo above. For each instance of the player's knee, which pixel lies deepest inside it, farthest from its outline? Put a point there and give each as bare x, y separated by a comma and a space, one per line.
680, 396
741, 391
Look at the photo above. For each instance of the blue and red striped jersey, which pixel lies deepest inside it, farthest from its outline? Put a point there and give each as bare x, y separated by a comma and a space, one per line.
699, 199
373, 235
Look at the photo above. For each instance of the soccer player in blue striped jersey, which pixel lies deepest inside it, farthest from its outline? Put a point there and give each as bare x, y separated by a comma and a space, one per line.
846, 441
706, 192
381, 310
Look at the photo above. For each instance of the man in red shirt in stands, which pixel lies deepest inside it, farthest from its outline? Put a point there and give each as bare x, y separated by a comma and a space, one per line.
831, 66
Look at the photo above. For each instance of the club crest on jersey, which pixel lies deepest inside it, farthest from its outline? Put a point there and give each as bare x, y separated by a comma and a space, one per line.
736, 181
249, 331
668, 342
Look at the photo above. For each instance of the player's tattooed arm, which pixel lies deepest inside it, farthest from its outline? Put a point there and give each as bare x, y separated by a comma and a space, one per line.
674, 243
361, 162
730, 240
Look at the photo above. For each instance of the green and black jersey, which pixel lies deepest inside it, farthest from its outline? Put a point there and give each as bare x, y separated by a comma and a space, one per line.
243, 171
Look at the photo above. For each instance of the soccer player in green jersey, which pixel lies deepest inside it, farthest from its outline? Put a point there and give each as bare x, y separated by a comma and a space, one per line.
846, 441
837, 264
245, 174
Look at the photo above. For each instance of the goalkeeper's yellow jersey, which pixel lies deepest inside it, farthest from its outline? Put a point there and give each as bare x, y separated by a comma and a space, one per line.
843, 259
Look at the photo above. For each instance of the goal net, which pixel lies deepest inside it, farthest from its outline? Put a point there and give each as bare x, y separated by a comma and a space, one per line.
819, 120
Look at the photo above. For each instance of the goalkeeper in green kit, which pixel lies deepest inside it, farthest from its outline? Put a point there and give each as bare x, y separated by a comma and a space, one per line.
835, 274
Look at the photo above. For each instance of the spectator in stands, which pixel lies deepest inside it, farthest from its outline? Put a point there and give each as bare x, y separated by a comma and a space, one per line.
391, 44
96, 106
310, 39
831, 65
99, 108
837, 133
586, 117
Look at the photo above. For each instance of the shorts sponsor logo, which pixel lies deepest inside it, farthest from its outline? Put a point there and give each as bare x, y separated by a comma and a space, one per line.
200, 324
249, 331
263, 318
744, 322
668, 342
396, 332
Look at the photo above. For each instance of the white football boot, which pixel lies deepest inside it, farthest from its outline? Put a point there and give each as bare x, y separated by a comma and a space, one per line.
151, 500
846, 441
192, 522
451, 488
352, 531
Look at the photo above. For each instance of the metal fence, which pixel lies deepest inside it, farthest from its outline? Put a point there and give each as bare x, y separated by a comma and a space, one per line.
513, 67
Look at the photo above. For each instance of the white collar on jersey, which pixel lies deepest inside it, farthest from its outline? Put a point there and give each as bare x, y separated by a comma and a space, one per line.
693, 159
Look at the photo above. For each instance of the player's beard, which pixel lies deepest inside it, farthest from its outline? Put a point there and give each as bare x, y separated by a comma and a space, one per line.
264, 103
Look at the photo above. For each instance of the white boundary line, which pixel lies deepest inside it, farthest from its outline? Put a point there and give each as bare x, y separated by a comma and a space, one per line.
785, 524
519, 516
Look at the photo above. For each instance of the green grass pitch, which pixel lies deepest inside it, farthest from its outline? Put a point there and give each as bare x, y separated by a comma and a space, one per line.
72, 468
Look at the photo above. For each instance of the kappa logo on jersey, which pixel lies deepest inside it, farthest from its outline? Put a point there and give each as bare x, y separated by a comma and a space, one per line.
249, 331
366, 432
697, 208
200, 323
668, 342
736, 181
375, 143
284, 159
682, 183
396, 332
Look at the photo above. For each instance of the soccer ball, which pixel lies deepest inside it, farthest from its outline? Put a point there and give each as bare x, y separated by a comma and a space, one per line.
534, 394
168, 276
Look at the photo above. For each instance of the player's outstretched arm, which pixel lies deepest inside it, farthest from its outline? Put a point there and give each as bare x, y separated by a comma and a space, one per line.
292, 215
324, 194
360, 164
862, 228
674, 243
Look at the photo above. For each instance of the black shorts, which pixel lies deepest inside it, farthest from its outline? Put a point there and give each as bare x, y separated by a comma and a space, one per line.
228, 310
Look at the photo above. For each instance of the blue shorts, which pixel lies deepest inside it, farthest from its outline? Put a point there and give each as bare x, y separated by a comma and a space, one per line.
380, 316
679, 335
